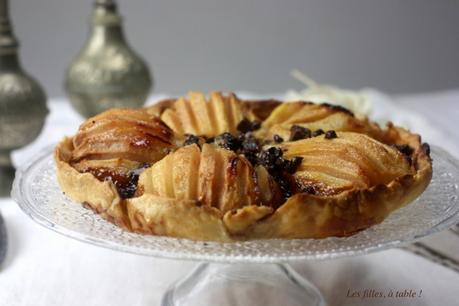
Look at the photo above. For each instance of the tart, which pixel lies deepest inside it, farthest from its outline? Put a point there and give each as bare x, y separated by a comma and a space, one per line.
224, 169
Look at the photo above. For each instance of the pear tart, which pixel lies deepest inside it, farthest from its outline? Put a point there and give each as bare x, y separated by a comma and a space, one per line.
224, 169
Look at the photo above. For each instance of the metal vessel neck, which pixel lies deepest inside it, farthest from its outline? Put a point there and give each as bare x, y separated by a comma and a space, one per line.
106, 33
8, 42
9, 62
105, 25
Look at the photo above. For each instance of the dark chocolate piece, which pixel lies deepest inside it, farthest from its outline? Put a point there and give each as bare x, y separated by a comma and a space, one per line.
426, 148
191, 139
268, 158
277, 138
291, 165
228, 141
330, 134
248, 126
298, 132
404, 149
318, 133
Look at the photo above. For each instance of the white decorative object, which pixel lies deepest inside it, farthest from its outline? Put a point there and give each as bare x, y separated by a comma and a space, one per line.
356, 101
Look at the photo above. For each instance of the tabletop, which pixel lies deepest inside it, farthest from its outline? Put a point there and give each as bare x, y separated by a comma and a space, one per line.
44, 268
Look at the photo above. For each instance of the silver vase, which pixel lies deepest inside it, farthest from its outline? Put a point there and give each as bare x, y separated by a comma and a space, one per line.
106, 73
22, 102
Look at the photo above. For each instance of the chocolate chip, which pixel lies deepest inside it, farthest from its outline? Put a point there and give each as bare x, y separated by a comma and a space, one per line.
228, 141
277, 138
269, 157
404, 149
291, 165
330, 134
249, 144
256, 125
191, 139
298, 132
246, 125
275, 151
426, 148
318, 133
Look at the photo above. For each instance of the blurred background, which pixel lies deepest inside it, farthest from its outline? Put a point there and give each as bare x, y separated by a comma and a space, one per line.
396, 46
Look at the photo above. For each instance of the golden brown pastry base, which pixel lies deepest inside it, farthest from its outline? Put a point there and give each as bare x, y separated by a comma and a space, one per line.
301, 216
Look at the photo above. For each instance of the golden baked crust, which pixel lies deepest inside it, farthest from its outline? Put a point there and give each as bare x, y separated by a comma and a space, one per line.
349, 176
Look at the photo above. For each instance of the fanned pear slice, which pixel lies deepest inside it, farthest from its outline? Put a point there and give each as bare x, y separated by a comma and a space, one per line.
198, 115
213, 176
313, 117
350, 161
123, 133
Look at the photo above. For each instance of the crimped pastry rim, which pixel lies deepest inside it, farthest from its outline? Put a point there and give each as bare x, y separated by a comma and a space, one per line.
137, 214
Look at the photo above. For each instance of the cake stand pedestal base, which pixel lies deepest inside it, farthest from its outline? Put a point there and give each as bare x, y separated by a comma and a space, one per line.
243, 284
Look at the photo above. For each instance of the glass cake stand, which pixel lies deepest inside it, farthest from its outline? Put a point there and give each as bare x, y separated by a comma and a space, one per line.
244, 273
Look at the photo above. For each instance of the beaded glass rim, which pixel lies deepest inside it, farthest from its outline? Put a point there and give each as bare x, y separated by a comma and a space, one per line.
37, 192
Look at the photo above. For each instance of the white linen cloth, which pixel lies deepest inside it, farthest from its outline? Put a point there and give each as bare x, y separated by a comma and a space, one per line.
45, 268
